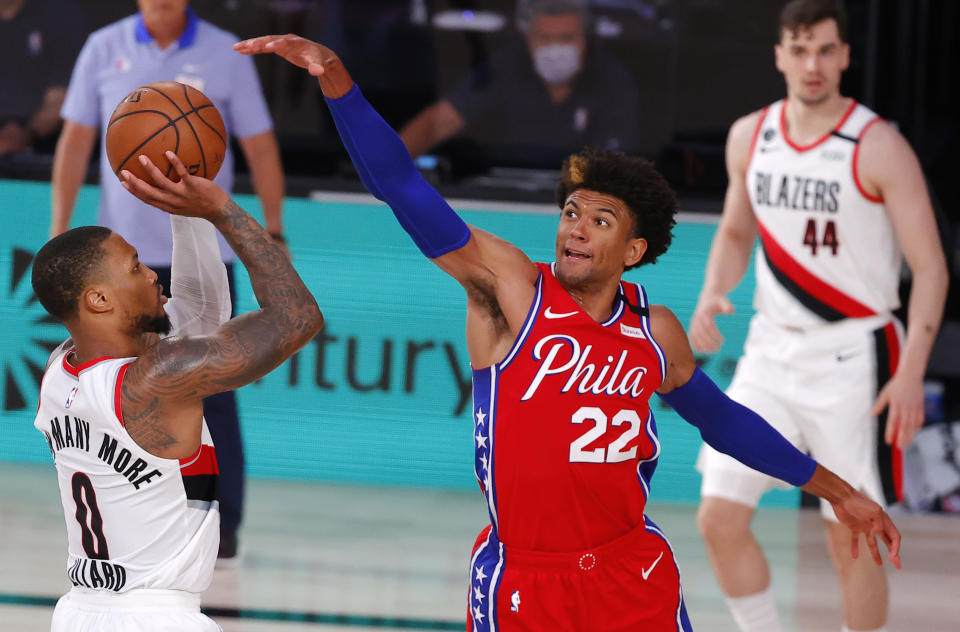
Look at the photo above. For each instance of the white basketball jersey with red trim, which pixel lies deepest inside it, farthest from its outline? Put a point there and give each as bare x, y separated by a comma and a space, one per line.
827, 248
134, 520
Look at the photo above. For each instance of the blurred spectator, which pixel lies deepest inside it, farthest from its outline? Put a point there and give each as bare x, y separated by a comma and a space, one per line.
556, 88
38, 41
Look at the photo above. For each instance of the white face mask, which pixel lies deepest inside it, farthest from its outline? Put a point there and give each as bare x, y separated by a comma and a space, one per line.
557, 63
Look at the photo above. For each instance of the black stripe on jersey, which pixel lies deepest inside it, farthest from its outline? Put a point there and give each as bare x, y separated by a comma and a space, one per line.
639, 310
884, 451
201, 486
806, 299
852, 139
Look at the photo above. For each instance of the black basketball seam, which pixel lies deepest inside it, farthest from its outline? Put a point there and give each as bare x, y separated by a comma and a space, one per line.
204, 121
170, 123
176, 145
184, 116
203, 156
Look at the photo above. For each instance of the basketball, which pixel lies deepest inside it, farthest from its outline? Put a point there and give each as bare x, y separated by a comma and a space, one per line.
162, 116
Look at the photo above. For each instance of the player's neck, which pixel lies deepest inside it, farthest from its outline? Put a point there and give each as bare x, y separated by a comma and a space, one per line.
808, 122
595, 299
92, 345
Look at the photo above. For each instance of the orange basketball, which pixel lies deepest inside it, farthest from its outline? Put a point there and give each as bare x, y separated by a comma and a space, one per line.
162, 116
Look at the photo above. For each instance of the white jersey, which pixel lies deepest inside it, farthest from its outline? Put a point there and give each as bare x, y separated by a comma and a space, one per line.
134, 520
827, 247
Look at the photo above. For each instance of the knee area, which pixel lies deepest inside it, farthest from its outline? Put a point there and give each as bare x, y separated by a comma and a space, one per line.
720, 524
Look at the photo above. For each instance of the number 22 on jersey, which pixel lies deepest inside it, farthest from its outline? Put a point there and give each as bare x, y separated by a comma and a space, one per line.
612, 453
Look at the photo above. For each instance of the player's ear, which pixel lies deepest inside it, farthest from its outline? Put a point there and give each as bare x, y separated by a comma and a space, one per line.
636, 247
95, 299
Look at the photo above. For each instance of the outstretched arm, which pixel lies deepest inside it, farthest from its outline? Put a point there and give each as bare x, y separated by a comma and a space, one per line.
162, 390
738, 431
499, 278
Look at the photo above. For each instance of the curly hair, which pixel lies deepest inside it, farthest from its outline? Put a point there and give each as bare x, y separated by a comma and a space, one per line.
65, 265
633, 180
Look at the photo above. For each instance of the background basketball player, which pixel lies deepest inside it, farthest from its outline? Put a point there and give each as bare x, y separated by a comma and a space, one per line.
121, 406
835, 195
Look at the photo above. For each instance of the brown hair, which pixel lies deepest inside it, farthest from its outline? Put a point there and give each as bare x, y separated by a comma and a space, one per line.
803, 14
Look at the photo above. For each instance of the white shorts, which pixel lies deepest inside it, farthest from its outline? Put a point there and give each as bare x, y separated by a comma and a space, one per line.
85, 610
817, 388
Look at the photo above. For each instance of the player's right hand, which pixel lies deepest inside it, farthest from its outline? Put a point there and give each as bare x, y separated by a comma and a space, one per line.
192, 196
703, 334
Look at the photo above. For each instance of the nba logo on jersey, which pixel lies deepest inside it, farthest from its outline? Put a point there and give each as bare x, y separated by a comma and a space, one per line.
72, 396
515, 601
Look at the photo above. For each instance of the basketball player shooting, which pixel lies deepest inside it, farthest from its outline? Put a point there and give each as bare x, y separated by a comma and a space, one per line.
835, 194
566, 356
120, 402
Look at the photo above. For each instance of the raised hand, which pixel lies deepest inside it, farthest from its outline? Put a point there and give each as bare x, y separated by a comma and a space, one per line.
320, 61
704, 334
192, 196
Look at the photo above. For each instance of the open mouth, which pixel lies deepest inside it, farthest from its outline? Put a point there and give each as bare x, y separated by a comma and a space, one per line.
575, 255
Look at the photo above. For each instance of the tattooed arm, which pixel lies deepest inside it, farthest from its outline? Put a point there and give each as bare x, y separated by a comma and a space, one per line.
163, 388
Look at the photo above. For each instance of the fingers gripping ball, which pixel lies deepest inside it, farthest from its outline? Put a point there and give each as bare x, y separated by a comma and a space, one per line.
162, 116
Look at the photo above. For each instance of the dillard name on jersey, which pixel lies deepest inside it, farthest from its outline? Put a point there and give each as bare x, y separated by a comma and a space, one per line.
610, 379
97, 574
75, 433
797, 193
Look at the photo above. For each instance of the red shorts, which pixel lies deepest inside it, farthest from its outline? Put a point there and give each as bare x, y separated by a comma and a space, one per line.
632, 583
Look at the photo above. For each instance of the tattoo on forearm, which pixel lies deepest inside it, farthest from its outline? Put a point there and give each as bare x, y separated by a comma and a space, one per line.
176, 371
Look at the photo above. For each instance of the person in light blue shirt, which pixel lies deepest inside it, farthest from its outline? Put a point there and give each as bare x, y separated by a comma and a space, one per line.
166, 41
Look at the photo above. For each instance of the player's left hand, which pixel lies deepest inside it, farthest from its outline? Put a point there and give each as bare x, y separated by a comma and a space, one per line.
902, 396
295, 49
861, 515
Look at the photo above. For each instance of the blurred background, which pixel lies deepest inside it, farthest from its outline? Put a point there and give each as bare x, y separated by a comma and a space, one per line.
381, 396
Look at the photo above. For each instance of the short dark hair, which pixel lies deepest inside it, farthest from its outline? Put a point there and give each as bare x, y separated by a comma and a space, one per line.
800, 14
64, 265
634, 180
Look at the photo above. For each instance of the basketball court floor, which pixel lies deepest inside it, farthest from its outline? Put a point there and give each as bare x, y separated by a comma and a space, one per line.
372, 559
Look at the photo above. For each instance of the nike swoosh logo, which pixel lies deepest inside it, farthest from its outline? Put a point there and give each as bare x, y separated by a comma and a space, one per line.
550, 314
844, 357
646, 571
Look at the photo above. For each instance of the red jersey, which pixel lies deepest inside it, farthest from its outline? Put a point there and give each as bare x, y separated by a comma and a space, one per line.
565, 439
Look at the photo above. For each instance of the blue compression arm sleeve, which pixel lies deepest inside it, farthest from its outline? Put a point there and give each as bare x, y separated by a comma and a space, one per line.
738, 431
388, 172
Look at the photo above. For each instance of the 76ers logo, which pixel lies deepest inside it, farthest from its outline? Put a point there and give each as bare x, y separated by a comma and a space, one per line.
565, 357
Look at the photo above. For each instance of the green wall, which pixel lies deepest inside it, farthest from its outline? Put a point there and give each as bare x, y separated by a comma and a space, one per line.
337, 411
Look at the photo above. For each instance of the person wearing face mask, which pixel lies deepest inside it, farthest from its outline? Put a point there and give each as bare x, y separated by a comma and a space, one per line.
554, 90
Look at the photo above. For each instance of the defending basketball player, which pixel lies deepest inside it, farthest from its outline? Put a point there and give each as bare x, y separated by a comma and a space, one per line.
120, 402
565, 358
835, 194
